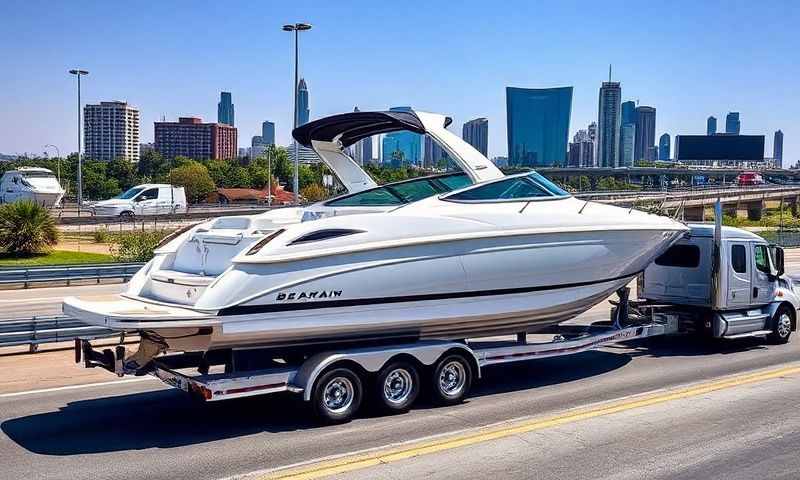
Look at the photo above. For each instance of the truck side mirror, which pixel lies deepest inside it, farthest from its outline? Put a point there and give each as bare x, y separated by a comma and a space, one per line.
778, 260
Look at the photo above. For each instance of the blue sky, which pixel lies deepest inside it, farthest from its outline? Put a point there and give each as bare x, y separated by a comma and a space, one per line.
688, 59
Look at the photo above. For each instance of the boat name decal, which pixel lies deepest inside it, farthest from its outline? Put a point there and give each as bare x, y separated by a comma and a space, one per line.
309, 295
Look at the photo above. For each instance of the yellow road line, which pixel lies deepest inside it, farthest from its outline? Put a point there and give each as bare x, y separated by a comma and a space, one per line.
361, 461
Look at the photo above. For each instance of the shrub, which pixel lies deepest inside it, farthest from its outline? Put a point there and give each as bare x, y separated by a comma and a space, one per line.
313, 193
101, 235
26, 228
195, 178
136, 246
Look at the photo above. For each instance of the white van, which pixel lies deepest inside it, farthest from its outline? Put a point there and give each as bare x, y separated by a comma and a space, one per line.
31, 183
147, 199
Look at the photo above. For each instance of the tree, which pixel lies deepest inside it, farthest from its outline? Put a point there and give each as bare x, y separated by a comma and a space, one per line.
96, 182
123, 171
153, 165
194, 177
26, 228
313, 192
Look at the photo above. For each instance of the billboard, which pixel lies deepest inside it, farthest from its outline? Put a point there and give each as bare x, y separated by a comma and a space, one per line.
719, 147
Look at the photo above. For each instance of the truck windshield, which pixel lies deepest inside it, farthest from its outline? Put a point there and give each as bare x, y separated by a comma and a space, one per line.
130, 193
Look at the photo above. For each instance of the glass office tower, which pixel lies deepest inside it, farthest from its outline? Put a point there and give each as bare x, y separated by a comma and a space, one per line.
538, 126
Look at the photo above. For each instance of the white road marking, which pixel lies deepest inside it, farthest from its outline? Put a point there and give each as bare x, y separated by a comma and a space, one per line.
76, 387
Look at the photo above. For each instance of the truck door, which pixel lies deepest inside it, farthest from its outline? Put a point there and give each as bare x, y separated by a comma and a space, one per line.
739, 275
763, 288
147, 202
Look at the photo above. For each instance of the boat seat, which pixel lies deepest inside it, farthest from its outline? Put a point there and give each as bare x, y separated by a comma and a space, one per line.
183, 278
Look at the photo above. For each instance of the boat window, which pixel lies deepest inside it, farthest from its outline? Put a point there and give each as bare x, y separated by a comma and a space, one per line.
375, 197
455, 182
324, 235
547, 184
739, 259
684, 256
413, 191
130, 193
509, 189
762, 260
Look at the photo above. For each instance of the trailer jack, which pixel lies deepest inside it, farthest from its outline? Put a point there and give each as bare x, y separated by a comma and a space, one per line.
111, 360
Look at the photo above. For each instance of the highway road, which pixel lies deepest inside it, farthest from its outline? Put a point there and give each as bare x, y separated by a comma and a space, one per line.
663, 408
26, 303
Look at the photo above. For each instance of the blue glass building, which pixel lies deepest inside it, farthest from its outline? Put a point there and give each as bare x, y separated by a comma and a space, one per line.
538, 125
663, 147
401, 148
268, 133
303, 112
732, 124
711, 126
225, 112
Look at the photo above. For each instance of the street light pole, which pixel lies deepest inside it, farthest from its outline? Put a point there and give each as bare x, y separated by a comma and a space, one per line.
58, 152
78, 72
296, 28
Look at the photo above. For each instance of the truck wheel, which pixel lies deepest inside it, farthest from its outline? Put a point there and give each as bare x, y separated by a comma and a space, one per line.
337, 395
452, 379
781, 326
397, 386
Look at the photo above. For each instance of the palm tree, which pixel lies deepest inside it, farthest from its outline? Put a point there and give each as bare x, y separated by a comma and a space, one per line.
26, 228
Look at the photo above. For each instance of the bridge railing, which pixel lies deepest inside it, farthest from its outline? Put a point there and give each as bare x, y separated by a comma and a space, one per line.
49, 329
67, 273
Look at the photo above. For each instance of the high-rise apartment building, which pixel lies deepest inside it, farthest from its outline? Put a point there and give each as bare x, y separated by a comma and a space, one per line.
645, 134
476, 133
581, 150
732, 124
538, 125
608, 124
111, 131
190, 137
225, 113
777, 149
592, 131
711, 126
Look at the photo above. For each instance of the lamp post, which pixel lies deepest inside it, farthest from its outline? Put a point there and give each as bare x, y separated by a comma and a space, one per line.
296, 28
58, 152
78, 72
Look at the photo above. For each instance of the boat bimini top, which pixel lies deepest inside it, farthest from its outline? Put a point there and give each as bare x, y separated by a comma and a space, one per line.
329, 136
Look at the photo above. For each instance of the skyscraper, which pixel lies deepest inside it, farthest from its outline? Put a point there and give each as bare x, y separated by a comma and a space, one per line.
608, 125
777, 149
267, 133
225, 113
645, 134
476, 133
592, 131
366, 151
663, 147
111, 131
732, 124
401, 148
711, 126
581, 150
303, 111
628, 110
538, 125
434, 153
627, 135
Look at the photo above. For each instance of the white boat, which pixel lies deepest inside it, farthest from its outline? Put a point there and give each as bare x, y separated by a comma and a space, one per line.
504, 254
31, 183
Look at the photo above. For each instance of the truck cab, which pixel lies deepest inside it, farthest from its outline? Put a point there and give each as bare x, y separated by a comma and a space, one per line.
731, 278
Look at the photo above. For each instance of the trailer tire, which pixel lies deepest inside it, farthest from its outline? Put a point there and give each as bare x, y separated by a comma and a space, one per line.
781, 326
451, 381
397, 387
337, 395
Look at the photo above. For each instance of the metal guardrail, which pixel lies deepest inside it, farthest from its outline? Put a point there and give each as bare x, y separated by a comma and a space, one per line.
67, 273
48, 329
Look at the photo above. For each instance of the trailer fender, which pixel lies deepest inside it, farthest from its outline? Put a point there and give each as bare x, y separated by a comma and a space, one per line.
372, 359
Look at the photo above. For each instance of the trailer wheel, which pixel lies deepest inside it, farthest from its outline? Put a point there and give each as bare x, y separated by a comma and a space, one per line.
781, 326
337, 395
397, 386
452, 379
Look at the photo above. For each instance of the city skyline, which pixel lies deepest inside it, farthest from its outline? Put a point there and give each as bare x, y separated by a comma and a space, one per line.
41, 88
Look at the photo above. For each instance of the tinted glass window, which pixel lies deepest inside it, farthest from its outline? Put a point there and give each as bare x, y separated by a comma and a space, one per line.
455, 182
762, 260
684, 256
518, 187
547, 184
129, 193
378, 196
412, 191
739, 259
150, 194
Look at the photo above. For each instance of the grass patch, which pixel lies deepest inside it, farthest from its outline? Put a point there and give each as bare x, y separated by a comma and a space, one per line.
55, 257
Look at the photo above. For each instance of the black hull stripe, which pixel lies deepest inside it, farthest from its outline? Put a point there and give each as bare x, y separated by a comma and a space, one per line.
290, 307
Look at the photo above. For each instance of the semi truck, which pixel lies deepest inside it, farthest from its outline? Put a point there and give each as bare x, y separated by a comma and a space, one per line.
719, 282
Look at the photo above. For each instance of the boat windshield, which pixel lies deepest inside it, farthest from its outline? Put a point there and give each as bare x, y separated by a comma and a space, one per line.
404, 192
130, 193
530, 186
37, 174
